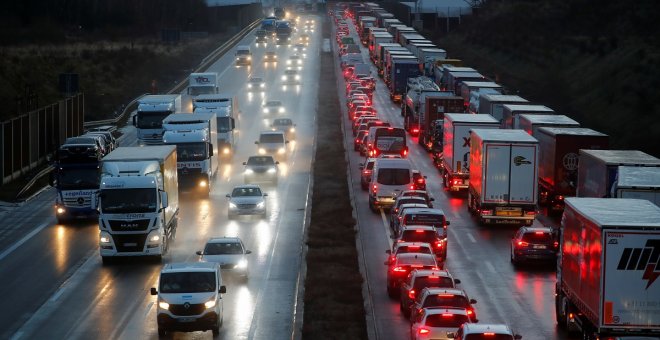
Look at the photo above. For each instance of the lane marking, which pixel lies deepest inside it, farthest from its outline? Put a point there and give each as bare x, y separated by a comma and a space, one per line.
23, 240
386, 226
490, 266
472, 239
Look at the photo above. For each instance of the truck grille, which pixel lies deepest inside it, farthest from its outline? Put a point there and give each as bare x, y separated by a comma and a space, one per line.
193, 309
77, 201
130, 243
134, 225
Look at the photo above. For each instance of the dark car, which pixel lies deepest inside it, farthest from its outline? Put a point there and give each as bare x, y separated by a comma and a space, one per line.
419, 180
260, 169
398, 269
417, 280
437, 237
366, 169
533, 244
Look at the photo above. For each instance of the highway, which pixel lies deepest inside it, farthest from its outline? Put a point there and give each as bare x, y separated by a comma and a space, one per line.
56, 287
477, 255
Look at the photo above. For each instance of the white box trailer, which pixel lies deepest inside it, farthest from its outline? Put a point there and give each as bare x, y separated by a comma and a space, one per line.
532, 122
607, 268
492, 103
638, 182
455, 168
511, 113
599, 169
503, 176
467, 87
203, 83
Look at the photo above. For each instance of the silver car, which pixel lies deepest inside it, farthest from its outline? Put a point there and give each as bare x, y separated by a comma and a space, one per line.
228, 252
260, 169
247, 200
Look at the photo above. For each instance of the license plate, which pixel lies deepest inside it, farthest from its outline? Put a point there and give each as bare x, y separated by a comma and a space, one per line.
539, 246
505, 211
130, 244
186, 320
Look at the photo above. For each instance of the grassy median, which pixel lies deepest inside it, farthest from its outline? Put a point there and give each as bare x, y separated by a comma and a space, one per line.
334, 307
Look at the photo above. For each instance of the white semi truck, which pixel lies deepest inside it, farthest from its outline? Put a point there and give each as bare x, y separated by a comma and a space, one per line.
456, 129
196, 139
225, 107
138, 201
503, 176
638, 182
607, 268
148, 120
203, 83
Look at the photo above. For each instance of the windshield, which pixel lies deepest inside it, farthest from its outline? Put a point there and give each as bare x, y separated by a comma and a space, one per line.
260, 161
271, 138
197, 90
256, 80
415, 236
446, 321
187, 152
449, 300
243, 192
243, 52
192, 282
284, 122
224, 124
80, 140
79, 179
224, 248
424, 219
151, 120
273, 103
121, 201
393, 176
433, 281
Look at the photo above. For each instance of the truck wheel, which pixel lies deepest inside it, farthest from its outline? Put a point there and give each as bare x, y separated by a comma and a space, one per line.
559, 313
161, 332
107, 260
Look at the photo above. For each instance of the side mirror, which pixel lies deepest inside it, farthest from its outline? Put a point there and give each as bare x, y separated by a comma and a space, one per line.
473, 301
431, 199
244, 163
163, 200
199, 252
447, 223
228, 195
222, 290
248, 252
256, 142
210, 149
457, 281
265, 194
154, 291
135, 120
286, 142
388, 252
276, 162
517, 336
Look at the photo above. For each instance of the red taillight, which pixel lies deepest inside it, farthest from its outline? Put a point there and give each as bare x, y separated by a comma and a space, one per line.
531, 213
374, 188
419, 230
522, 244
412, 187
411, 293
489, 334
486, 212
438, 244
456, 182
560, 198
405, 152
470, 312
556, 244
399, 269
447, 315
420, 180
423, 331
415, 130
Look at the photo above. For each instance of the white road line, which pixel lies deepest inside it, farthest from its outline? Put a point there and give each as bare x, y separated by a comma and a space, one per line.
23, 240
490, 266
472, 239
386, 226
16, 336
148, 309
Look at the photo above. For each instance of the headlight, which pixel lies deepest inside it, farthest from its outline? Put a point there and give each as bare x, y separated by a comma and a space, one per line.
262, 151
154, 238
105, 239
288, 62
281, 109
272, 170
292, 130
209, 304
226, 151
297, 77
281, 150
60, 210
202, 184
232, 205
262, 85
283, 77
164, 305
249, 171
249, 86
261, 205
249, 58
237, 58
242, 264
265, 110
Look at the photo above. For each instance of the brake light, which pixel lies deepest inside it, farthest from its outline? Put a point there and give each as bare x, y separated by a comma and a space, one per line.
419, 230
412, 187
560, 198
413, 247
445, 295
438, 244
456, 182
470, 312
420, 180
522, 244
556, 244
447, 315
486, 212
538, 233
489, 334
411, 293
423, 331
530, 213
415, 130
399, 269
374, 188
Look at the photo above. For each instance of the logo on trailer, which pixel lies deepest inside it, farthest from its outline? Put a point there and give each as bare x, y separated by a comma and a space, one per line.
202, 80
466, 142
570, 161
646, 259
520, 160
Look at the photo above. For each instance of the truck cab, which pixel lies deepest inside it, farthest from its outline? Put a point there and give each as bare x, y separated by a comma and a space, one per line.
225, 107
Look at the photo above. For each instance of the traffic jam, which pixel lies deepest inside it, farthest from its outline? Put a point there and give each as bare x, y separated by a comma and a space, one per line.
486, 143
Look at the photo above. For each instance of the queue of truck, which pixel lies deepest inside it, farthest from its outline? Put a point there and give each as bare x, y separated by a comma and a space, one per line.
513, 157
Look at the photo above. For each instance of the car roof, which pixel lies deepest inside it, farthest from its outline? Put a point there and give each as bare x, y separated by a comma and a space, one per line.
424, 210
182, 267
437, 290
224, 239
430, 272
272, 133
471, 328
246, 186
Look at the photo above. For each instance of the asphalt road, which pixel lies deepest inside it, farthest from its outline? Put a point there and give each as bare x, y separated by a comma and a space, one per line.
477, 255
55, 286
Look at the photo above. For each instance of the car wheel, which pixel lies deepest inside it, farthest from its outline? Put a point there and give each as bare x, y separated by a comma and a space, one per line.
107, 260
216, 329
161, 332
372, 206
405, 311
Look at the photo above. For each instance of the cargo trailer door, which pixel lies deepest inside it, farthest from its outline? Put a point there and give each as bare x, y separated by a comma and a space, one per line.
496, 174
522, 187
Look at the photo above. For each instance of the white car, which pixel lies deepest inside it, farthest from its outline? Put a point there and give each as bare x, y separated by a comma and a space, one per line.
272, 143
256, 84
291, 76
437, 323
295, 61
273, 106
247, 200
228, 252
260, 169
285, 125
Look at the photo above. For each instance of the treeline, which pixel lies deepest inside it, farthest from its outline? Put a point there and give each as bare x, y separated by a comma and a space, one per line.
52, 20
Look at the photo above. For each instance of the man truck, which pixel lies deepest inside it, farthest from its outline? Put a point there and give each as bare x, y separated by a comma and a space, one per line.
148, 120
138, 201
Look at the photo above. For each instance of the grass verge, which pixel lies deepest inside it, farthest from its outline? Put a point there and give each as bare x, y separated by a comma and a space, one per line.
334, 306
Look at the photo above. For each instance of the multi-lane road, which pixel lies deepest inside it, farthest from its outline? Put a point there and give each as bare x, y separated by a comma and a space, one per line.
55, 286
477, 255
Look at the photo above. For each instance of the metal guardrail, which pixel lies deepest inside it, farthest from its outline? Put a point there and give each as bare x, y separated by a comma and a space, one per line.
113, 121
34, 179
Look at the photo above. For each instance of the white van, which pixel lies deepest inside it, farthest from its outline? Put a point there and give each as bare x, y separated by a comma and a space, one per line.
272, 143
189, 298
390, 177
243, 55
